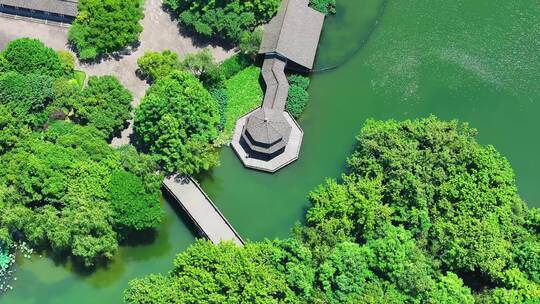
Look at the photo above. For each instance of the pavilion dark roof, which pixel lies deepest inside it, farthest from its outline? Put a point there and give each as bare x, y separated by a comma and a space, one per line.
268, 131
294, 32
61, 7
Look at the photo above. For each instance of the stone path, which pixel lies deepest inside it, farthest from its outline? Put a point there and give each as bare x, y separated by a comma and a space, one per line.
160, 33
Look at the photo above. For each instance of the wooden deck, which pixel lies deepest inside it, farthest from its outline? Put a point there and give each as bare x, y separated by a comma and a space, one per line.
205, 215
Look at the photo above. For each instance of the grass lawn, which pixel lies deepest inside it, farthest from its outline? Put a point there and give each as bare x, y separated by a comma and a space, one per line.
244, 94
80, 77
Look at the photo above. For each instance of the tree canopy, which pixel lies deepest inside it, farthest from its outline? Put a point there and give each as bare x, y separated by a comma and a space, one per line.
177, 121
105, 26
154, 65
457, 197
105, 104
62, 185
224, 19
206, 273
26, 97
31, 56
250, 42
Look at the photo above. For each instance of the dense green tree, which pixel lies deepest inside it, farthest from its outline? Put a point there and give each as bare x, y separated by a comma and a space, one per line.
391, 266
457, 197
134, 209
31, 56
348, 211
226, 273
225, 19
177, 121
513, 288
63, 199
528, 259
155, 65
105, 104
250, 42
11, 130
66, 93
142, 165
204, 67
26, 96
66, 193
105, 26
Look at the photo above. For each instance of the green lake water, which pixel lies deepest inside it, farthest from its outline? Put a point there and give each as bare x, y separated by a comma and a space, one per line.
472, 60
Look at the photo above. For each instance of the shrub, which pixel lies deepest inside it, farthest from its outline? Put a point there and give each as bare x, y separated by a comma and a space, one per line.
324, 6
105, 104
298, 95
67, 62
80, 77
155, 65
220, 95
177, 122
105, 26
299, 80
233, 65
31, 56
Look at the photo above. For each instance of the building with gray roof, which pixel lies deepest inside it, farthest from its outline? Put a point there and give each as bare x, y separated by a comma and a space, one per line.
55, 10
269, 138
294, 33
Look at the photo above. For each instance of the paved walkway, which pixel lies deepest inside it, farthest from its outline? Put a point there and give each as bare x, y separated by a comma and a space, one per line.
202, 211
160, 33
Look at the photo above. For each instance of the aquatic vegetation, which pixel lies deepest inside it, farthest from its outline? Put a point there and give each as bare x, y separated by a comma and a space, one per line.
244, 94
7, 260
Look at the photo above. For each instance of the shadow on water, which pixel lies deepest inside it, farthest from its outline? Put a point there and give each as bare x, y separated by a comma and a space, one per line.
360, 27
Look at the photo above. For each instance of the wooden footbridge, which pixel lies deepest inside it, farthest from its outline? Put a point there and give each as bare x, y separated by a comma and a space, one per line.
205, 215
